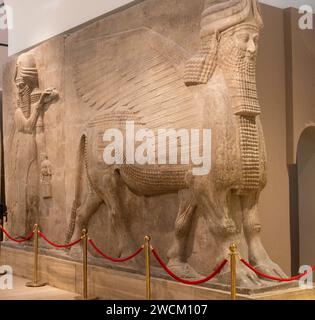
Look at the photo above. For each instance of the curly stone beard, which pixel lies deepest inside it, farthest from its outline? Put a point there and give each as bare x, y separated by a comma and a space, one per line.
239, 68
24, 101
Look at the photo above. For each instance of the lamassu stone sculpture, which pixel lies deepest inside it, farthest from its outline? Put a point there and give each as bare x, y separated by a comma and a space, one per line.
158, 86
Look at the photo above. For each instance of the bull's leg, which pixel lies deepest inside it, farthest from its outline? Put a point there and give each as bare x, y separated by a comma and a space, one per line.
256, 252
177, 254
223, 212
84, 213
225, 218
112, 185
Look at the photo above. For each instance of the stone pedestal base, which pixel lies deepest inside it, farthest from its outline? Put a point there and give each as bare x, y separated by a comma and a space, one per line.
110, 284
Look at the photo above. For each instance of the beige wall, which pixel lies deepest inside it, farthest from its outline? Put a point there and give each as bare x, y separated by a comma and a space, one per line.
286, 82
274, 204
300, 93
303, 67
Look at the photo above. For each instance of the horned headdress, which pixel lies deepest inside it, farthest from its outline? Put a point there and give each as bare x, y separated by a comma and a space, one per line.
26, 73
217, 17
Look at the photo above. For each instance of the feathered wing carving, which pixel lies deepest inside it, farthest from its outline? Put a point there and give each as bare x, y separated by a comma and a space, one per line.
138, 72
138, 75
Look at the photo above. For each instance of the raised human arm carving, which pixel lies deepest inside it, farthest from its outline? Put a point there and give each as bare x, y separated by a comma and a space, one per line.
27, 125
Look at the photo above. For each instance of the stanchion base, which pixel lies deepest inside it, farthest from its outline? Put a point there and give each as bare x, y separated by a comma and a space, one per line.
81, 298
35, 285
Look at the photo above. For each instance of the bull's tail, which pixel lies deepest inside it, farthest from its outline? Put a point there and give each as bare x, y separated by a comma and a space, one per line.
80, 165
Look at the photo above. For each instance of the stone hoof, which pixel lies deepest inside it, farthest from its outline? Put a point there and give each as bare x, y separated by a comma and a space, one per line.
184, 270
248, 279
271, 269
245, 278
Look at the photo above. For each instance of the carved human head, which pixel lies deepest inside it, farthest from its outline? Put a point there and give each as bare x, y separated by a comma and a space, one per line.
236, 58
233, 22
26, 75
243, 37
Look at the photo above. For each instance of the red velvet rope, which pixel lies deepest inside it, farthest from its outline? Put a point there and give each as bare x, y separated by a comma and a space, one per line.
275, 278
59, 245
15, 239
113, 259
211, 276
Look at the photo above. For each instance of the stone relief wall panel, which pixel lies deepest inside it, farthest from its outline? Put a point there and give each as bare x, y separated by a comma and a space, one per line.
35, 160
164, 64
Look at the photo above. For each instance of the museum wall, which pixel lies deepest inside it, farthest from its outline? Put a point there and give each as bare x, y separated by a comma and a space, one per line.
300, 60
286, 80
303, 66
274, 204
303, 97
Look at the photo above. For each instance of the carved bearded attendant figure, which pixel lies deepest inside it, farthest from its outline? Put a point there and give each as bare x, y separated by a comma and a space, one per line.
31, 104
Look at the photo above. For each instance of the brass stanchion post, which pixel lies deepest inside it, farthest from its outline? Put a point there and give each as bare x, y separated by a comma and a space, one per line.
233, 255
2, 273
85, 240
147, 251
85, 264
1, 239
35, 283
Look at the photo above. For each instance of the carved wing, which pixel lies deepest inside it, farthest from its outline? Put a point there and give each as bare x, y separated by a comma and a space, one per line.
138, 71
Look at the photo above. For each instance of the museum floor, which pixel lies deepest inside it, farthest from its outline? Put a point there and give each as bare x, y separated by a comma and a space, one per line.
21, 292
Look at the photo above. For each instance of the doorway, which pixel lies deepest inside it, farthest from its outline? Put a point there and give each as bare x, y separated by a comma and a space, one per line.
306, 196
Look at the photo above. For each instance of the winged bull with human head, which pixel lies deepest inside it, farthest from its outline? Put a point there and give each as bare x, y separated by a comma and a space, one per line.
163, 87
